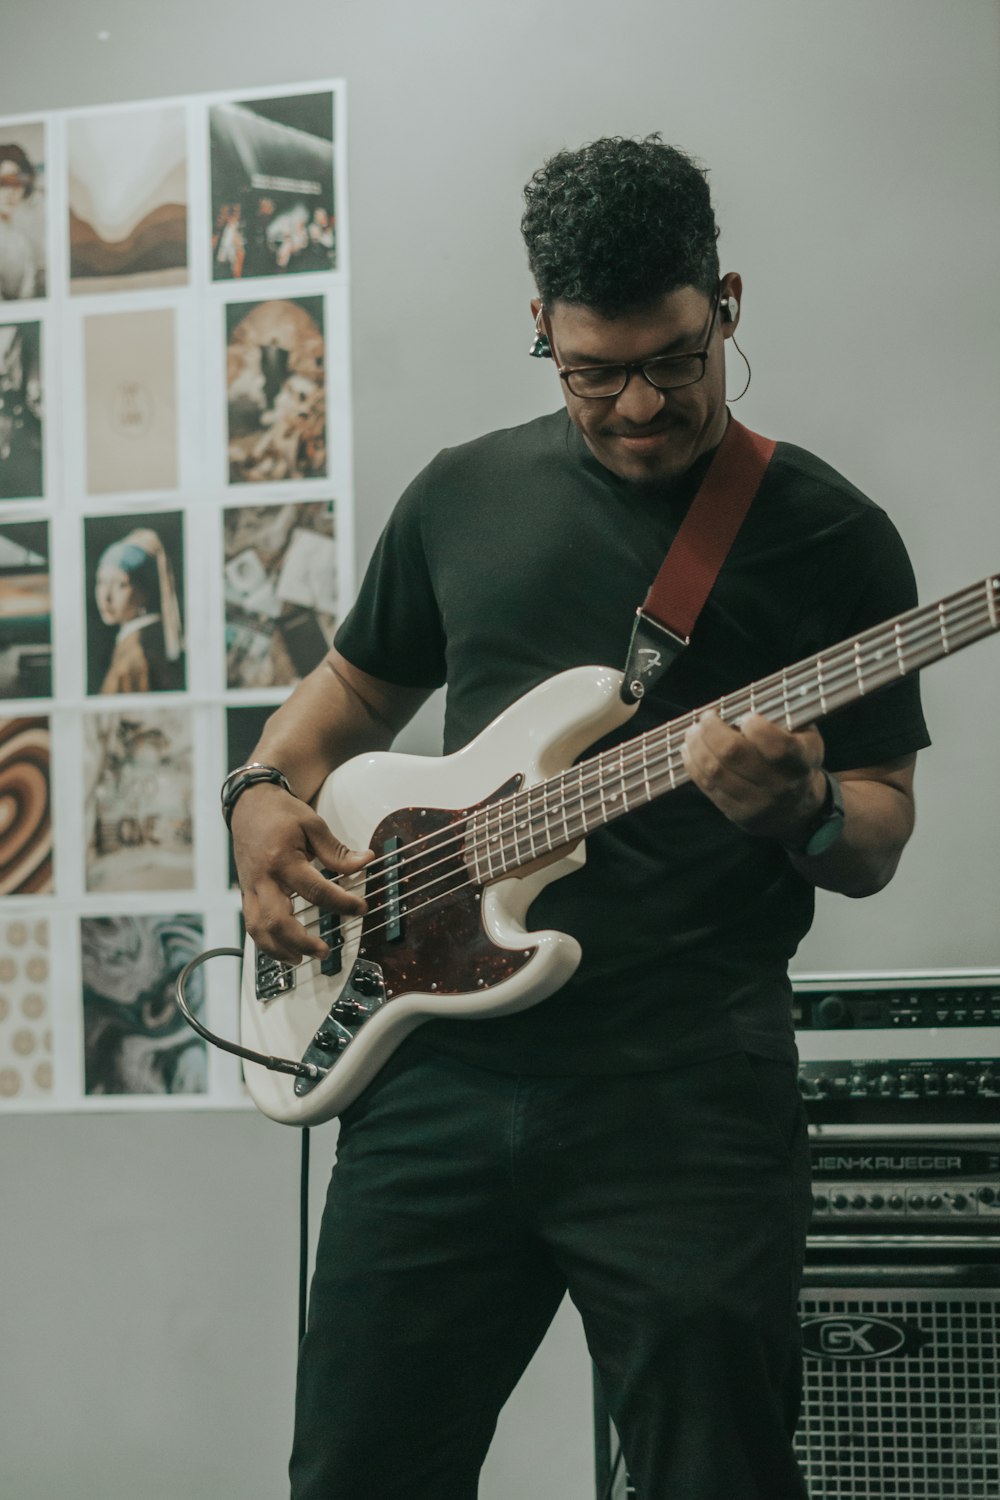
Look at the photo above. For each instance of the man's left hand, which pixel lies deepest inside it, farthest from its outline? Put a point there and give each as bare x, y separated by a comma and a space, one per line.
766, 780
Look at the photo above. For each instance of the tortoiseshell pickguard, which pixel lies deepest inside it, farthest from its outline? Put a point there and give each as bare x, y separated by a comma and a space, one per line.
444, 947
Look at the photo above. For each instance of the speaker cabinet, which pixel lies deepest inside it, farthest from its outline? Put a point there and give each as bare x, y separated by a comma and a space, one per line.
901, 1389
901, 1383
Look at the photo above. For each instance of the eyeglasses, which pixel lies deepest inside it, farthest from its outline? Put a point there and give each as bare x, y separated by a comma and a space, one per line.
667, 372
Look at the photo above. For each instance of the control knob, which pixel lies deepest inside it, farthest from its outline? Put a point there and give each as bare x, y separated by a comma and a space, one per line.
831, 1011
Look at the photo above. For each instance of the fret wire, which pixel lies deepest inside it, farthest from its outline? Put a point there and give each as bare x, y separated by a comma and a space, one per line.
545, 815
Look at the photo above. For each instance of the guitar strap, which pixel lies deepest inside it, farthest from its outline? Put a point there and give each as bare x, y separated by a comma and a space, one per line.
665, 619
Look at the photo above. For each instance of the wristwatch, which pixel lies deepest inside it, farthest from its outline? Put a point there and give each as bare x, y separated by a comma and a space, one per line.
828, 824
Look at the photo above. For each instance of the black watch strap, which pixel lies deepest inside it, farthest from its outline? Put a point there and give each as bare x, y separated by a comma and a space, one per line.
828, 824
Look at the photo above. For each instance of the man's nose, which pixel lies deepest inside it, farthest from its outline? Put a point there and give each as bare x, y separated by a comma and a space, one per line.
640, 401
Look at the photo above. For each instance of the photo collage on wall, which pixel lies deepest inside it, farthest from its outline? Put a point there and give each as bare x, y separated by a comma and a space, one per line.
176, 520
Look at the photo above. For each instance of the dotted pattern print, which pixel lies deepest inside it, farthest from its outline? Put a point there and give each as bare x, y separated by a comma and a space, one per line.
25, 1021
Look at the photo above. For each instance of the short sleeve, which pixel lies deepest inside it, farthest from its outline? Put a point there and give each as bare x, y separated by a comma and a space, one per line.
394, 630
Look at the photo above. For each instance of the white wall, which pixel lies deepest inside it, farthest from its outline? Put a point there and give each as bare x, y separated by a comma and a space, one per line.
148, 1295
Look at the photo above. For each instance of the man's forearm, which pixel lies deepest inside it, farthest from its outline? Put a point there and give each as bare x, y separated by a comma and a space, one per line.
878, 821
322, 723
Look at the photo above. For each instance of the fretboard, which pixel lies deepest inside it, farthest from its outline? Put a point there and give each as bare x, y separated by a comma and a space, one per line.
555, 813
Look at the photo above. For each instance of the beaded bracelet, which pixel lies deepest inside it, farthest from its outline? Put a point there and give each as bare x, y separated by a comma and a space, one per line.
237, 782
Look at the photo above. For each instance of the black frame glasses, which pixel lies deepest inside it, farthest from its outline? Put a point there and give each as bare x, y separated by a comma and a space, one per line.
665, 372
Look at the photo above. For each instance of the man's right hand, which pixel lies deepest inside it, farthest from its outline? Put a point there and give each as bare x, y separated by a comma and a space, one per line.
276, 839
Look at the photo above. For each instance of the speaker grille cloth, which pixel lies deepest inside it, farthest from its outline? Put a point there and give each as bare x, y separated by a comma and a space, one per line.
920, 1423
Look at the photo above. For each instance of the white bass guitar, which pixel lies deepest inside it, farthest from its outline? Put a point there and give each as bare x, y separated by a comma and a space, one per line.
464, 843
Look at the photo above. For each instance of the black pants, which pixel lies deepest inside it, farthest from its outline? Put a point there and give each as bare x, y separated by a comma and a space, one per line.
464, 1204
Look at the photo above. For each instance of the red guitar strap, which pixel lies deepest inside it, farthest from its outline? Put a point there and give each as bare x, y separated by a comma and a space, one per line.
666, 618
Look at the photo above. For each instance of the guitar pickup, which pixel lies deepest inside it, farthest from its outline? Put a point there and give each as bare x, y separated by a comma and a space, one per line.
272, 976
393, 903
329, 931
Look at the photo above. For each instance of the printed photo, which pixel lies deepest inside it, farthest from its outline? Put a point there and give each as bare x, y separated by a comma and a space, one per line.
130, 396
25, 610
127, 185
281, 591
272, 186
137, 807
20, 411
135, 592
25, 1010
244, 726
276, 390
25, 801
135, 1039
22, 212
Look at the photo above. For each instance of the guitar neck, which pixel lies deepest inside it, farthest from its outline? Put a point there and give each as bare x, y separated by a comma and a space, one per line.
557, 812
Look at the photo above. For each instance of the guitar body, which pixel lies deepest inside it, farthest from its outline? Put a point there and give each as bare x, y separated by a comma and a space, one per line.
439, 939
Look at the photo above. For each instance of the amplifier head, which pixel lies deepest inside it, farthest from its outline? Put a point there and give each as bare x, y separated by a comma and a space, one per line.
916, 1047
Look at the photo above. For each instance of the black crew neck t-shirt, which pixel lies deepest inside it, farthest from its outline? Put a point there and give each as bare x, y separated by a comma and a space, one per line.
517, 556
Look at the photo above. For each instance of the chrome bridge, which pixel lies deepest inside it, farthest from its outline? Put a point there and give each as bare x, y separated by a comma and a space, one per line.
362, 995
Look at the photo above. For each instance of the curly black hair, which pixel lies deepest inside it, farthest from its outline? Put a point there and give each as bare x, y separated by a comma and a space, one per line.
617, 224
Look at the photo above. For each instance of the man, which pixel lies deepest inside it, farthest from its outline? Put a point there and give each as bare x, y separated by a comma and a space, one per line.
638, 1137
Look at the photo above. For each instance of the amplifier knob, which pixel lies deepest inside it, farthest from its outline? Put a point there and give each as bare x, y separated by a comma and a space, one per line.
840, 1200
877, 1201
958, 1200
859, 1083
895, 1201
986, 1083
916, 1200
819, 1202
858, 1201
955, 1083
986, 1195
934, 1201
887, 1084
831, 1011
932, 1083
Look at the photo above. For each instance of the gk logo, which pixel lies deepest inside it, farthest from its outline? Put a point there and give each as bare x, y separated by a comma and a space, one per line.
845, 1338
652, 661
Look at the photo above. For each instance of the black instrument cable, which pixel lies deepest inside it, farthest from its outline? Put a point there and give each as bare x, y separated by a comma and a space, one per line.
276, 1064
